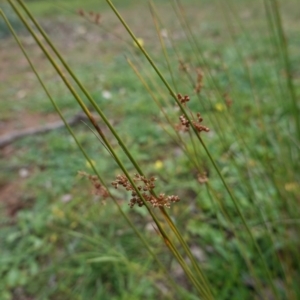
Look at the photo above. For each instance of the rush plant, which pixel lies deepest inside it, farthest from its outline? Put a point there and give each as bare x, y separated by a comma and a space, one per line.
242, 169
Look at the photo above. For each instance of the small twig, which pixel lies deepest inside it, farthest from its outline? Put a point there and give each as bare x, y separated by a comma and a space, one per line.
11, 137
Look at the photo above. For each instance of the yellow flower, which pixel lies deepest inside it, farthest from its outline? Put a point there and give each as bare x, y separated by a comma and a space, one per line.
158, 164
220, 107
73, 225
53, 238
90, 164
139, 42
291, 186
251, 163
57, 212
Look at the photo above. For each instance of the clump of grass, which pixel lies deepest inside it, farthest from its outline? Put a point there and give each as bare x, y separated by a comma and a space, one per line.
235, 215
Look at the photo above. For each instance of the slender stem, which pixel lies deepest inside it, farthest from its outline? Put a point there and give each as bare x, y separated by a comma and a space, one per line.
200, 289
287, 63
174, 285
171, 223
204, 146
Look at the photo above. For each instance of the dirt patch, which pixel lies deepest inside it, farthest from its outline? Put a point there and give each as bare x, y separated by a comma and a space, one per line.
11, 196
24, 120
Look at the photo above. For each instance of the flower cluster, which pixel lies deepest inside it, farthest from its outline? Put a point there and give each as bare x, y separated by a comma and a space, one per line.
185, 124
91, 16
99, 189
183, 66
183, 99
199, 81
146, 186
202, 178
198, 126
228, 100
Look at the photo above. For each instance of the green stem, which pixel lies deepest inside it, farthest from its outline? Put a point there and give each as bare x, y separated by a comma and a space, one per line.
170, 222
140, 236
176, 253
287, 63
204, 146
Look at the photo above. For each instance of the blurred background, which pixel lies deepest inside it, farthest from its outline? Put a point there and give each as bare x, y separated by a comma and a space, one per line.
60, 240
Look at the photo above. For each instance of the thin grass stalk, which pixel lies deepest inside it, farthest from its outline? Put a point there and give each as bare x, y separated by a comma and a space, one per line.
77, 142
269, 277
245, 66
180, 141
274, 42
237, 208
170, 222
222, 227
86, 93
154, 17
248, 183
276, 255
174, 285
92, 101
267, 129
188, 34
181, 17
236, 232
267, 272
242, 138
178, 8
287, 63
252, 44
165, 215
190, 275
78, 99
185, 24
99, 25
266, 163
114, 133
149, 90
154, 86
216, 120
196, 50
163, 46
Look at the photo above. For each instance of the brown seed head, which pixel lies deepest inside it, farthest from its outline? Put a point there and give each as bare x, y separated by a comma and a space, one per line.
198, 126
183, 66
202, 178
97, 18
99, 189
199, 81
228, 100
183, 99
80, 12
147, 186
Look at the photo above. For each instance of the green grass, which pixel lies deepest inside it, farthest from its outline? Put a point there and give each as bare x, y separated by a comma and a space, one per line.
82, 248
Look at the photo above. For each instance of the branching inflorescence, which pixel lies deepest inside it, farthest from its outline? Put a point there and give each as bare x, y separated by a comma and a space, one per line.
146, 187
185, 123
91, 16
199, 81
99, 189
